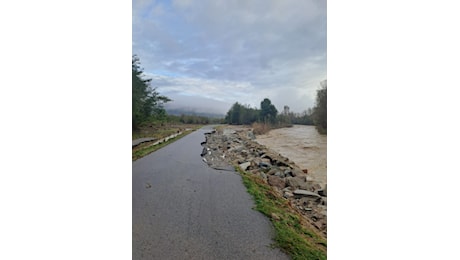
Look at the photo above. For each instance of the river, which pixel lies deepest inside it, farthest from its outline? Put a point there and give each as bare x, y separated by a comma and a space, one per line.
303, 145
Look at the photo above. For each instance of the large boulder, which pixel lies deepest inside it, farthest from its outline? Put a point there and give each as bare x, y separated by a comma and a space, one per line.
299, 182
276, 182
244, 166
297, 172
306, 193
273, 171
251, 135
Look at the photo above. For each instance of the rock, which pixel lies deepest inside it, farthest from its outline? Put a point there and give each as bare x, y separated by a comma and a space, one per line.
317, 187
265, 156
298, 183
306, 193
255, 161
264, 165
266, 160
324, 201
322, 193
280, 163
244, 166
287, 189
308, 201
148, 185
272, 171
279, 174
292, 183
251, 135
228, 131
204, 152
263, 175
288, 173
236, 149
276, 182
288, 194
297, 172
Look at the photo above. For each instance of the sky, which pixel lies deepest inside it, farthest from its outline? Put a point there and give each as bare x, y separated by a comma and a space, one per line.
208, 54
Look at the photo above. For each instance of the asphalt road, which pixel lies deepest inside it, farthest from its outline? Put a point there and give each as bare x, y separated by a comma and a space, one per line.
183, 209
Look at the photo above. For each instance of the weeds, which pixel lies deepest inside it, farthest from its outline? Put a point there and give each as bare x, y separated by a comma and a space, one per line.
292, 236
145, 149
260, 128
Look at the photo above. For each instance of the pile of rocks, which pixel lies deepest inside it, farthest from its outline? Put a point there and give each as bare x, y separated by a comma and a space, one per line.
230, 147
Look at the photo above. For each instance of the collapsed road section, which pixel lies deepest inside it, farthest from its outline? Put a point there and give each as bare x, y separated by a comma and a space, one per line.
235, 147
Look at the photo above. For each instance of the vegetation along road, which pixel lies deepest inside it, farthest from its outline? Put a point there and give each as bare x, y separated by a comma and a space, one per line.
183, 209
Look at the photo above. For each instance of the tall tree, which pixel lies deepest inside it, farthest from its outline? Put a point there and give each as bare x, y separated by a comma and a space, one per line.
320, 110
241, 114
268, 111
233, 115
146, 101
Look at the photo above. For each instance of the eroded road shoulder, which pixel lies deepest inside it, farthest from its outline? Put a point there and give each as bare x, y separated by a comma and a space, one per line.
183, 209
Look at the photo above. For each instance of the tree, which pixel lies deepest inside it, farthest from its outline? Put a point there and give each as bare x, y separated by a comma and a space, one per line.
267, 111
146, 101
241, 114
320, 110
233, 115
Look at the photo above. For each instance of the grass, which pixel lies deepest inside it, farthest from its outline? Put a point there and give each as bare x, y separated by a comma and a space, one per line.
159, 131
292, 233
145, 149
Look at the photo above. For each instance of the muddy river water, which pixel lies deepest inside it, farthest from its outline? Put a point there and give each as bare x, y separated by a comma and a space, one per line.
303, 145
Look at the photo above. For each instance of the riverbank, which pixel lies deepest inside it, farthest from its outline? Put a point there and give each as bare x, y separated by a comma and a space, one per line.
301, 144
295, 203
236, 146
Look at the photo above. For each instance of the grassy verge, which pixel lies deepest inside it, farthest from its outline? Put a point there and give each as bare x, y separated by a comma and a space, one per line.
159, 131
292, 233
145, 149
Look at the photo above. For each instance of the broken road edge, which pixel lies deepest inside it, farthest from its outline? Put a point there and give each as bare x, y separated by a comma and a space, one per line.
293, 235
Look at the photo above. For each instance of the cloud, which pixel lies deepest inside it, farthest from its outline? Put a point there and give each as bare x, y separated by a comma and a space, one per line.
234, 50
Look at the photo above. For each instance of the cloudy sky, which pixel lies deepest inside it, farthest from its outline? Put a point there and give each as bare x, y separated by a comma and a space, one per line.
209, 54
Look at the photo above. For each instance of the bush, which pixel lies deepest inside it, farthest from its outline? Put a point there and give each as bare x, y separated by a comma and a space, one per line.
260, 128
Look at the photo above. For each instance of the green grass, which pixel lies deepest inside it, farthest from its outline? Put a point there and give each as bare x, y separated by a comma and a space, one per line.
158, 133
145, 149
292, 236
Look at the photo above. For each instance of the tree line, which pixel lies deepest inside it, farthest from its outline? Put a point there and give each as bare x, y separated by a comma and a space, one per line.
267, 114
244, 115
146, 101
147, 106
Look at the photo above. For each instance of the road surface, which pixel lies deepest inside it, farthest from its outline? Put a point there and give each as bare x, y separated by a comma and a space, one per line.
182, 209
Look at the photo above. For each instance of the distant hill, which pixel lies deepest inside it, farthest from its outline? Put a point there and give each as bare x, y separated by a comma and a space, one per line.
179, 111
